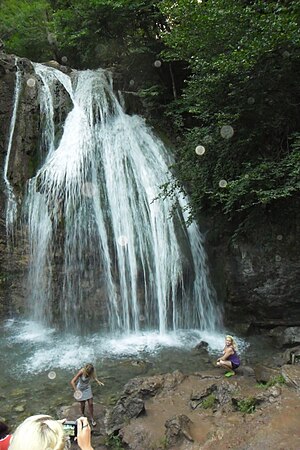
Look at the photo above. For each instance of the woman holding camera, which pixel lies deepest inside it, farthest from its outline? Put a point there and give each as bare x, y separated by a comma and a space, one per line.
41, 432
81, 384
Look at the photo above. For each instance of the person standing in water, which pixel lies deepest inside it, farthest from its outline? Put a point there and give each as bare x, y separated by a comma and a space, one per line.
81, 384
230, 359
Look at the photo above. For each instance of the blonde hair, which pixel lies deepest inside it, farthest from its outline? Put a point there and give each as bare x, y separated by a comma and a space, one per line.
39, 432
233, 343
90, 371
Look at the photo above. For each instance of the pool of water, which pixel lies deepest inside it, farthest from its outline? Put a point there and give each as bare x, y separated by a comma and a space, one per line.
38, 363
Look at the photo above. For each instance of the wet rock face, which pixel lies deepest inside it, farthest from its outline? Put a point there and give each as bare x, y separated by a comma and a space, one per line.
22, 165
12, 266
258, 277
26, 130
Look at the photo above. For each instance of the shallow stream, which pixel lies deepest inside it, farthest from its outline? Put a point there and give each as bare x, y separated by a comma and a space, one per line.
37, 364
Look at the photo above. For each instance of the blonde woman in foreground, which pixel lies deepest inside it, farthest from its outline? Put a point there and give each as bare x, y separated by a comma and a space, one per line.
230, 359
81, 384
44, 433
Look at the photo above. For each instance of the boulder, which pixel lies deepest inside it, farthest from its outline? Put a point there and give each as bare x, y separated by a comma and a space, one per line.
263, 373
178, 429
291, 374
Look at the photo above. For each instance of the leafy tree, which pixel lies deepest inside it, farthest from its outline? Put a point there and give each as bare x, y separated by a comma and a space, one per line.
26, 28
243, 60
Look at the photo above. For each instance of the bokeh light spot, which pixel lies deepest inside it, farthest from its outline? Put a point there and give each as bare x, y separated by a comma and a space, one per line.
223, 183
251, 101
122, 240
77, 394
131, 83
227, 131
200, 150
88, 189
31, 82
64, 59
277, 258
286, 54
157, 63
52, 375
279, 237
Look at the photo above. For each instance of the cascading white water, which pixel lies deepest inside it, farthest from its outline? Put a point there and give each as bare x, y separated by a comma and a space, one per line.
102, 251
11, 206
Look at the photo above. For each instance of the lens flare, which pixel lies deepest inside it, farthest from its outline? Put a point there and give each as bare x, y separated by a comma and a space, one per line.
51, 375
227, 131
31, 82
122, 240
223, 183
77, 394
88, 189
200, 150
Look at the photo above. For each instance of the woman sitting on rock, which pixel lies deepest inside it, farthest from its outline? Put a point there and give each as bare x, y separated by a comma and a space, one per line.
230, 359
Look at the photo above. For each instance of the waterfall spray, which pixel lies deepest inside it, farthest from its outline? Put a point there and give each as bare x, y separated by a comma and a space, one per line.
11, 205
104, 254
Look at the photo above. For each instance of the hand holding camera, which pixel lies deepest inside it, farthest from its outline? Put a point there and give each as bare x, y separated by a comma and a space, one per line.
79, 430
84, 434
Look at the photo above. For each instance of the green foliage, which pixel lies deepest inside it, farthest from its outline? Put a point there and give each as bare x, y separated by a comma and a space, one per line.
224, 63
114, 442
273, 382
110, 32
92, 33
26, 28
243, 59
161, 445
209, 401
247, 405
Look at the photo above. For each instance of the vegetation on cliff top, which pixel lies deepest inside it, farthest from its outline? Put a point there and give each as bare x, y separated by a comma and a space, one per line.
228, 84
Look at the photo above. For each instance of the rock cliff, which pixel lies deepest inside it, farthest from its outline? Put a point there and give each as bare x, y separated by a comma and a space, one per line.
257, 275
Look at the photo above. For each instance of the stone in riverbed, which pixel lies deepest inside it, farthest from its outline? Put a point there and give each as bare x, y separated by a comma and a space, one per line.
177, 429
291, 374
19, 408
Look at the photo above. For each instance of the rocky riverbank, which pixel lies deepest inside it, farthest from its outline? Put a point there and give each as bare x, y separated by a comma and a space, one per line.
203, 411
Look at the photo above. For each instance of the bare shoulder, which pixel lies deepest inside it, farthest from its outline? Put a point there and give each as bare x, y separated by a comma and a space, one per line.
229, 351
78, 374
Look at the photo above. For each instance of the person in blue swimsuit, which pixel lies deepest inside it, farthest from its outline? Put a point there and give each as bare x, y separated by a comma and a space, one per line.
81, 384
230, 359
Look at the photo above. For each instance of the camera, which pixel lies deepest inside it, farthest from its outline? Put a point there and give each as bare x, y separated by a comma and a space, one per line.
70, 428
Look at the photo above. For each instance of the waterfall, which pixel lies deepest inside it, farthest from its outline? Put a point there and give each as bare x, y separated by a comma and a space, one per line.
104, 252
11, 205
